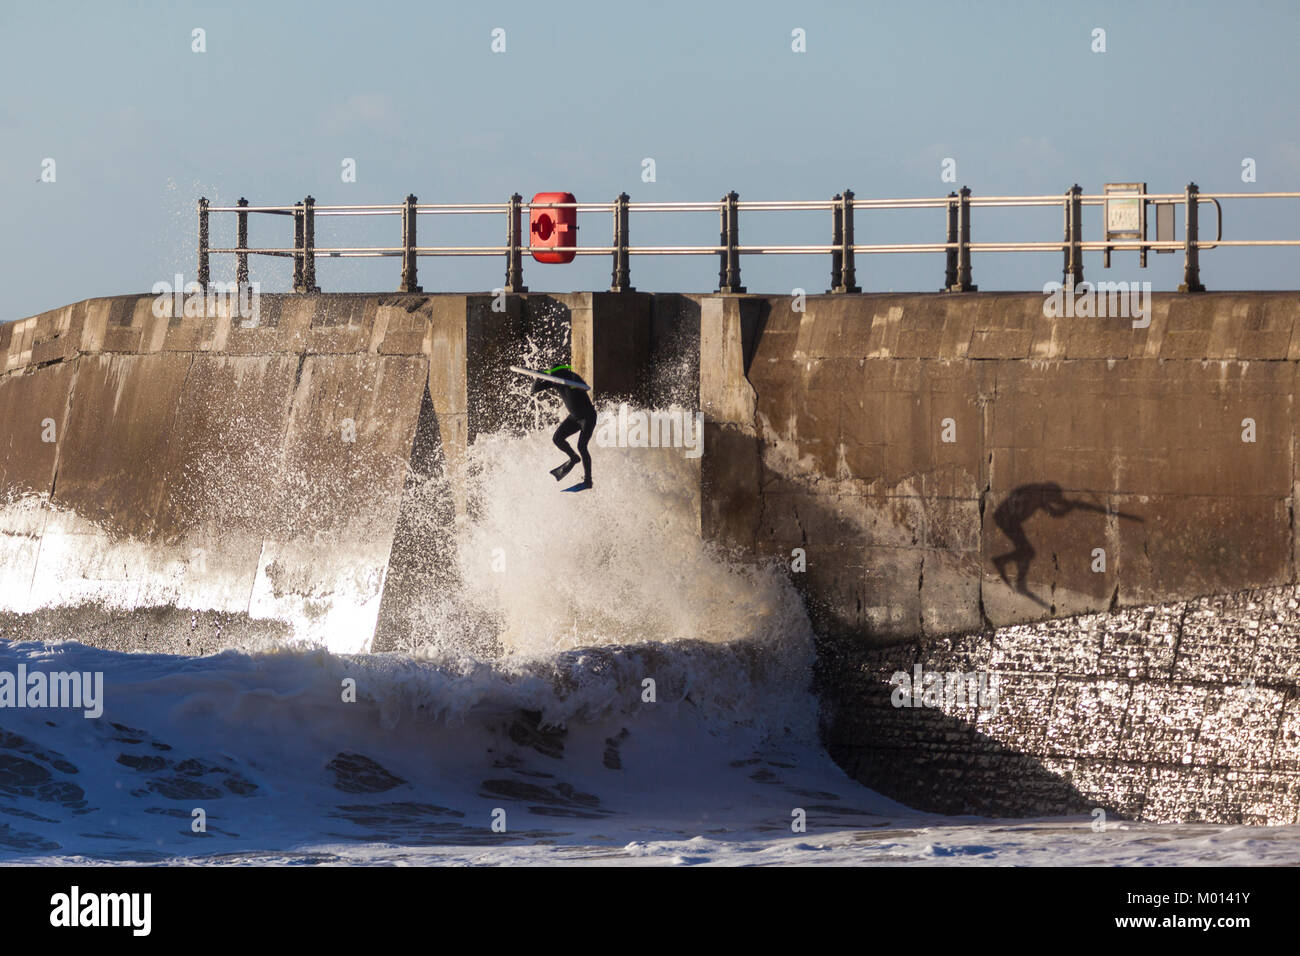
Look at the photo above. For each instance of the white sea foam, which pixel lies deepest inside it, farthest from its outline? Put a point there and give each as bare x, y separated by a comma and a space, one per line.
303, 755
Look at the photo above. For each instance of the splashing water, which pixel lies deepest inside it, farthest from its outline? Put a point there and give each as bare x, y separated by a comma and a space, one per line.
623, 563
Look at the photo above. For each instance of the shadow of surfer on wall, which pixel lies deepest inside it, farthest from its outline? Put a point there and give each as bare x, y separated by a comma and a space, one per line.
1019, 507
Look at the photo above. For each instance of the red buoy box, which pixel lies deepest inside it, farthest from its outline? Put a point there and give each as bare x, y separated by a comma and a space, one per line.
552, 228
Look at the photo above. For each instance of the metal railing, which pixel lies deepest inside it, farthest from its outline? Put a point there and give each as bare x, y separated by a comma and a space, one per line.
957, 245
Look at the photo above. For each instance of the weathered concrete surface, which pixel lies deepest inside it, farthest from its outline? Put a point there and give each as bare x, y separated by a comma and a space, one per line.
944, 464
222, 465
916, 449
917, 446
190, 472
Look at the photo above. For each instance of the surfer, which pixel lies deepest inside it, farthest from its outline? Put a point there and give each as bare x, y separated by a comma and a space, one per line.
581, 419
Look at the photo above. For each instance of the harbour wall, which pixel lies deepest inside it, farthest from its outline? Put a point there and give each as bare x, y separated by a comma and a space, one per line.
938, 472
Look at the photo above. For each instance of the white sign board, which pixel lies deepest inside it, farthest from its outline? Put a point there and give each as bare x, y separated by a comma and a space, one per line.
1125, 217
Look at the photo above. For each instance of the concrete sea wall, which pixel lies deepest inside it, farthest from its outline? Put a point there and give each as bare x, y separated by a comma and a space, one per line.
938, 472
922, 447
198, 463
952, 467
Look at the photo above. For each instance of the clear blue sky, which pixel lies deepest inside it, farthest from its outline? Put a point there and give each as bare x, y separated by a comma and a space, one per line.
139, 127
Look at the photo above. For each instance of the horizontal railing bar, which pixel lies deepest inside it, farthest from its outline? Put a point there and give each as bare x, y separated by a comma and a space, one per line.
335, 211
386, 205
581, 207
1245, 242
499, 206
770, 205
900, 203
1092, 245
467, 211
793, 204
315, 250
1017, 247
904, 247
1250, 195
786, 250
1037, 203
670, 206
1173, 245
524, 250
279, 210
683, 251
1028, 246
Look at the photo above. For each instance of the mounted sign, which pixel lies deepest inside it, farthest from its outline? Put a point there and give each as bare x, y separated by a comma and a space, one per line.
1164, 224
1126, 217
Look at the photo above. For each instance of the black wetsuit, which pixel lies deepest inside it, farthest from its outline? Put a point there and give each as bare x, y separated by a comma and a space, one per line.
581, 419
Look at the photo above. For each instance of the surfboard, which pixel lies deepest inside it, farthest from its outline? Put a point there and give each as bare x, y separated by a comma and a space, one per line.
550, 378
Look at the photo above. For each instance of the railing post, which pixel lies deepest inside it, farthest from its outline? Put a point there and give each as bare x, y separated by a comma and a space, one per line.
241, 242
514, 261
409, 279
1191, 253
621, 279
848, 280
950, 271
1073, 273
729, 259
837, 240
297, 245
203, 242
309, 246
964, 283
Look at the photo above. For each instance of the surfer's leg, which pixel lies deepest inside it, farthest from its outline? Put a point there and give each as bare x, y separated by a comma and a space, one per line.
567, 428
588, 426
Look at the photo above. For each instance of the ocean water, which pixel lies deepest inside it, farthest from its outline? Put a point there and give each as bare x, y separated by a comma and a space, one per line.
600, 688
